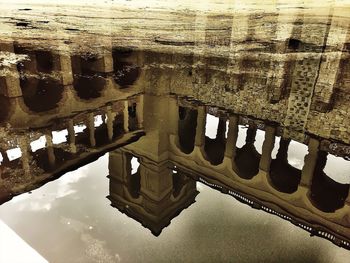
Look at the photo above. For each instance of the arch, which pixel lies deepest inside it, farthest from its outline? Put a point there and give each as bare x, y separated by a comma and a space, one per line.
133, 179
326, 194
41, 95
284, 177
215, 148
247, 158
89, 87
132, 112
88, 76
45, 61
187, 128
125, 72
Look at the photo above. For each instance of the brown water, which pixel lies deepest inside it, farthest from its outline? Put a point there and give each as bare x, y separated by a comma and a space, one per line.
169, 131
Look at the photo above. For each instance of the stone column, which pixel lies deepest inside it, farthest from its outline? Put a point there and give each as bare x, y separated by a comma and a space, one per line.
126, 116
173, 117
91, 128
200, 130
24, 145
66, 69
50, 148
309, 164
71, 136
110, 121
108, 61
267, 148
232, 135
139, 111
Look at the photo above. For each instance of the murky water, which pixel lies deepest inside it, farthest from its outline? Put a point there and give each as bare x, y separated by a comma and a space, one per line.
167, 131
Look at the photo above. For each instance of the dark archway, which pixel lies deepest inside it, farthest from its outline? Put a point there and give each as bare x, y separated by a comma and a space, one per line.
41, 95
326, 194
284, 177
125, 72
89, 79
133, 180
248, 158
187, 128
89, 87
215, 148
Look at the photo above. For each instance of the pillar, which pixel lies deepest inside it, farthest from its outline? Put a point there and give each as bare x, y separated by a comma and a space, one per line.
71, 136
139, 111
200, 130
50, 148
232, 135
267, 148
309, 164
110, 121
173, 117
126, 116
24, 145
91, 128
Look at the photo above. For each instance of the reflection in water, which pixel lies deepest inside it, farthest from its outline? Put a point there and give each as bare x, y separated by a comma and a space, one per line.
41, 95
187, 128
153, 195
247, 157
284, 176
253, 105
327, 194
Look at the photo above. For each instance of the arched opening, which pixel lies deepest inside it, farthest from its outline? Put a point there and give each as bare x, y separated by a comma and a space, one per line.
133, 121
125, 72
89, 87
134, 176
284, 177
101, 130
248, 158
327, 194
214, 146
41, 95
187, 128
88, 76
39, 60
45, 61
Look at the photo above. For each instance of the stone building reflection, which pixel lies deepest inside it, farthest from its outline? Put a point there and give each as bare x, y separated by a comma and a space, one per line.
152, 195
292, 88
30, 159
271, 184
